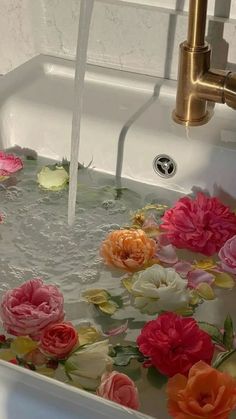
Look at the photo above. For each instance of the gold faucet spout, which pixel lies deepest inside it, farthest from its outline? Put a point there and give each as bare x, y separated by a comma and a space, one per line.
197, 82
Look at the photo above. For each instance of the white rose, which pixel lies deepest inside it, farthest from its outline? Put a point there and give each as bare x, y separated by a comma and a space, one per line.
86, 366
159, 289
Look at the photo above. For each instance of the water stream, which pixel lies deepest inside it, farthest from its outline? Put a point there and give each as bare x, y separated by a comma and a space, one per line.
86, 8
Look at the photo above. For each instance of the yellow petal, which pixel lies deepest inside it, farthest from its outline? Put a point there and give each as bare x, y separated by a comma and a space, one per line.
96, 296
127, 283
108, 308
194, 298
223, 280
185, 311
88, 335
7, 355
205, 291
22, 345
204, 264
2, 178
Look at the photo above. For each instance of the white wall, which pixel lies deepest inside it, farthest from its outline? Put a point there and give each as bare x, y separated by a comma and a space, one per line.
141, 38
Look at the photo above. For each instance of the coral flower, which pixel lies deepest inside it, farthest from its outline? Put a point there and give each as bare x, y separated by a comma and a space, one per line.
58, 340
128, 249
202, 224
9, 164
206, 393
174, 344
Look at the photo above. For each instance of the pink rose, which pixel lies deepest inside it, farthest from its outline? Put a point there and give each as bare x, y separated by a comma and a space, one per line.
202, 224
227, 255
30, 308
58, 340
119, 388
9, 164
174, 344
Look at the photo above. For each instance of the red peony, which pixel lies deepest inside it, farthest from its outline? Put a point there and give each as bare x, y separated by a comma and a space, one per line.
174, 343
202, 224
58, 340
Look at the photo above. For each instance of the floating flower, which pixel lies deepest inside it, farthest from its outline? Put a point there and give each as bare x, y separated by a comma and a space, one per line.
58, 340
159, 289
30, 308
128, 249
53, 179
9, 164
173, 344
202, 224
227, 255
119, 388
87, 366
206, 393
102, 299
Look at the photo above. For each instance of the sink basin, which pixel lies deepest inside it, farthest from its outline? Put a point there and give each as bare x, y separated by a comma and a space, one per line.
126, 124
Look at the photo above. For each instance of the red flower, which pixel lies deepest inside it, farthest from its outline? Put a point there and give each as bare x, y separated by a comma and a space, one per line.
14, 361
174, 343
202, 224
58, 340
2, 338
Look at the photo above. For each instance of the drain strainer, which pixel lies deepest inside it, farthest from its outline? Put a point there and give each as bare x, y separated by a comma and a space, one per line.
164, 166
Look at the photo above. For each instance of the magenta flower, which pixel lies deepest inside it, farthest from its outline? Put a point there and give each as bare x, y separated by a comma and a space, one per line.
9, 164
27, 310
202, 224
227, 255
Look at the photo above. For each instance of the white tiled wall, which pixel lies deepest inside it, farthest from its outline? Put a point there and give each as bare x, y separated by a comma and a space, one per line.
126, 34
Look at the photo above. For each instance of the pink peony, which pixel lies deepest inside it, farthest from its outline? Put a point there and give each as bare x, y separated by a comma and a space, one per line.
9, 164
227, 255
30, 308
119, 388
202, 224
174, 344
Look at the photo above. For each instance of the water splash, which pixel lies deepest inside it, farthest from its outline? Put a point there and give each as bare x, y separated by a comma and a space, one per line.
86, 8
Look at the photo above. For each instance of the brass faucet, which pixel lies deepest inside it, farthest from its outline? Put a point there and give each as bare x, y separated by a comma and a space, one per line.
198, 83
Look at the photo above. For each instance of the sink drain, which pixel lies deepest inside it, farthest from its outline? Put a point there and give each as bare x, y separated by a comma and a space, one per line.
164, 166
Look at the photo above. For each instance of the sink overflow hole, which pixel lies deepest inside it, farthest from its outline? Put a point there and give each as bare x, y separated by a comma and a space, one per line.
164, 166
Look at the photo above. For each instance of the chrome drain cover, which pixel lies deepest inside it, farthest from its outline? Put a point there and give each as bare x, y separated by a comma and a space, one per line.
164, 166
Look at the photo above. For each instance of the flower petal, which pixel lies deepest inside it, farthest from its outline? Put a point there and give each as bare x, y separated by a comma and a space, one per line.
199, 276
167, 254
224, 280
205, 291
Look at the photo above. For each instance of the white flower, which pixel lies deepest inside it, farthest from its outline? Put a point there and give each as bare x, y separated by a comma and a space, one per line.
53, 179
86, 366
159, 289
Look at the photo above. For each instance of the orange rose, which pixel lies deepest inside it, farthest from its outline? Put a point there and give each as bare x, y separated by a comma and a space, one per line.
206, 393
128, 249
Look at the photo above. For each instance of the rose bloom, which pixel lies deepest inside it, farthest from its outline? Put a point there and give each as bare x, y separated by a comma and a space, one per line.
174, 343
87, 366
202, 224
159, 289
9, 164
227, 255
128, 249
30, 308
58, 340
119, 388
206, 393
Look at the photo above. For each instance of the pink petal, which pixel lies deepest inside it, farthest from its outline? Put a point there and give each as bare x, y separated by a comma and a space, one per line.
197, 276
118, 330
150, 223
183, 268
167, 254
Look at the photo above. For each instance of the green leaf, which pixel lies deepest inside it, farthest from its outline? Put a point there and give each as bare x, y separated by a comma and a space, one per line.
122, 355
213, 331
118, 300
155, 378
222, 357
228, 333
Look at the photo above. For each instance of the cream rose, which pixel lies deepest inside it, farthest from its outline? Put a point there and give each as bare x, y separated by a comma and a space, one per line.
87, 366
159, 289
53, 179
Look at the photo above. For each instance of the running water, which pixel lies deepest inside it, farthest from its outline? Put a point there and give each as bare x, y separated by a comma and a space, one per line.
86, 7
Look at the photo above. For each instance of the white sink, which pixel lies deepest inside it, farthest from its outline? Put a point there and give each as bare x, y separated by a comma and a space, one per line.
126, 124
